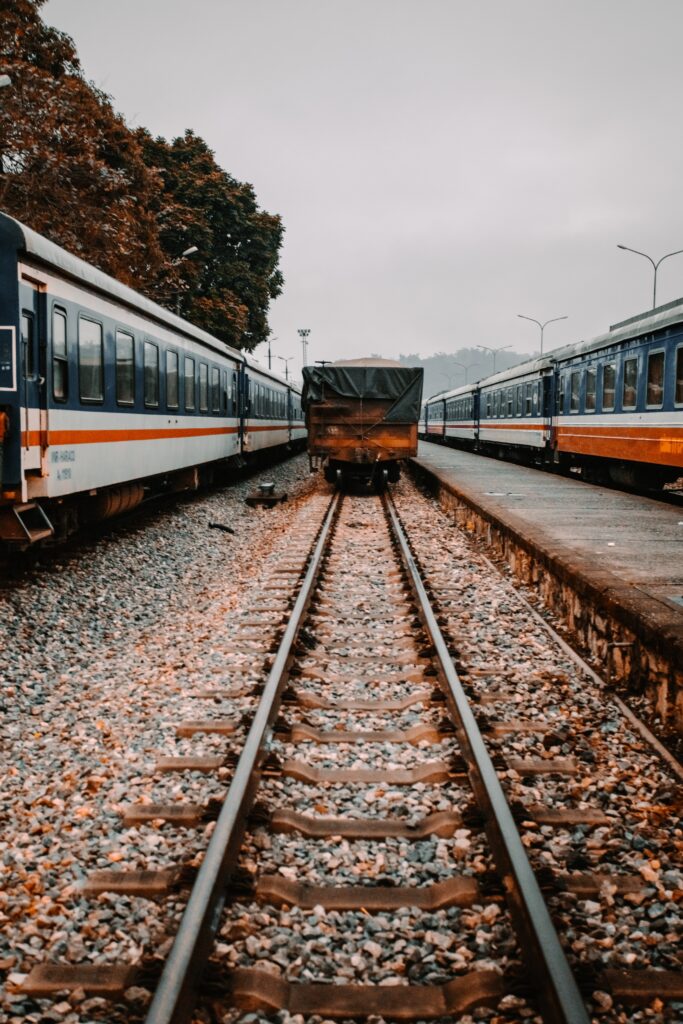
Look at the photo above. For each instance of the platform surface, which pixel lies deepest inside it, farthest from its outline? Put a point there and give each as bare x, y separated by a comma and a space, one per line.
638, 540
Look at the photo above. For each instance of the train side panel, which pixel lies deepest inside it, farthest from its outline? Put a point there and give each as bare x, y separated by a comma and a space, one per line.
625, 402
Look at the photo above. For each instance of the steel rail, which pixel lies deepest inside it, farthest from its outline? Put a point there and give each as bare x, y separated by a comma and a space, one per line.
175, 994
559, 996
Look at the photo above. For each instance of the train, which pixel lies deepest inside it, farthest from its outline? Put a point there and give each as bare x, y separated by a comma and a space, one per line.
362, 419
609, 409
107, 397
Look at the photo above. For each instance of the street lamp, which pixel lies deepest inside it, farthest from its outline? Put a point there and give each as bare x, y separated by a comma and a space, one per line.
466, 368
494, 352
542, 325
187, 252
5, 80
303, 333
286, 360
655, 266
270, 339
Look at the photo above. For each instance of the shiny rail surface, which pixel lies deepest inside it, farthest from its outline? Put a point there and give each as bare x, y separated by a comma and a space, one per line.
559, 995
175, 993
544, 958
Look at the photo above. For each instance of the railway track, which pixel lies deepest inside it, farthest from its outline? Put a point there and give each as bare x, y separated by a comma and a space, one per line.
364, 810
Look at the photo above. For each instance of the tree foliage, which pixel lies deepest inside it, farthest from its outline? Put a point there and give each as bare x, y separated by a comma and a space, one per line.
128, 203
227, 285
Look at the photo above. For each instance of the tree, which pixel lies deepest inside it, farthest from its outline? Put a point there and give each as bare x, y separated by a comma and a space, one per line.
227, 286
130, 204
71, 169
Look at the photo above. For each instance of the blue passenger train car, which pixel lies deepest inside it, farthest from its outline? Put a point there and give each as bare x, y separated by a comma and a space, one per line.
105, 395
611, 407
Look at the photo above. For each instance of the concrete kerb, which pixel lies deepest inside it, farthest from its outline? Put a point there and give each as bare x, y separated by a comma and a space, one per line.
636, 639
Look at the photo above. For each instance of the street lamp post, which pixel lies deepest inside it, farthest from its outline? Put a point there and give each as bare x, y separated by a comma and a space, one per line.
303, 333
269, 339
494, 352
466, 368
655, 266
188, 252
286, 360
542, 325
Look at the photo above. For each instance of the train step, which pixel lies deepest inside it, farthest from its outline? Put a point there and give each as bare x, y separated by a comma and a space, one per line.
25, 524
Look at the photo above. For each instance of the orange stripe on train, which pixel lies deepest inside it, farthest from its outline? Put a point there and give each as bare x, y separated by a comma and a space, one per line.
60, 438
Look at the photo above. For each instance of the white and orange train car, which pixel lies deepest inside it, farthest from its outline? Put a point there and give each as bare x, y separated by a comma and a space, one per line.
106, 396
611, 408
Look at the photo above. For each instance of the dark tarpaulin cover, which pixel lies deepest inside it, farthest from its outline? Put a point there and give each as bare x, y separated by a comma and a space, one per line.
400, 384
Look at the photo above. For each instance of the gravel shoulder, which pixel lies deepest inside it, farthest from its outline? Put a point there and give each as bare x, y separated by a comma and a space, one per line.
109, 644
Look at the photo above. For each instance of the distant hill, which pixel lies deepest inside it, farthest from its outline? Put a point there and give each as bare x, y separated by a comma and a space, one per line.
443, 370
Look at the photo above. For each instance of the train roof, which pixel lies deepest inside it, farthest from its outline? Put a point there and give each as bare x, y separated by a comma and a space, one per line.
372, 361
368, 379
464, 389
25, 239
254, 364
536, 366
643, 323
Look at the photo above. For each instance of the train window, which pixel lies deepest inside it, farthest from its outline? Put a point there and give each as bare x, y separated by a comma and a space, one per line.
529, 387
203, 387
234, 394
678, 384
509, 410
215, 389
60, 365
125, 368
534, 400
630, 385
655, 380
591, 382
172, 380
151, 374
225, 392
519, 400
575, 391
90, 361
27, 343
189, 384
609, 383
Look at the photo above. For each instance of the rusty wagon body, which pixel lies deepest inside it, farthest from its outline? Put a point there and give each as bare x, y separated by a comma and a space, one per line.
361, 417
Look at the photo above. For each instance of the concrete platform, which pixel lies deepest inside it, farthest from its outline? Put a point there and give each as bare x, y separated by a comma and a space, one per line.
610, 562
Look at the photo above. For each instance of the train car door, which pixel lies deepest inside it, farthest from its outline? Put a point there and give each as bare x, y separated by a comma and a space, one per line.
549, 385
244, 403
33, 386
290, 424
476, 407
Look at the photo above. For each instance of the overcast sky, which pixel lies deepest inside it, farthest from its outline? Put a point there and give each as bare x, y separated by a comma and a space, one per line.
440, 165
